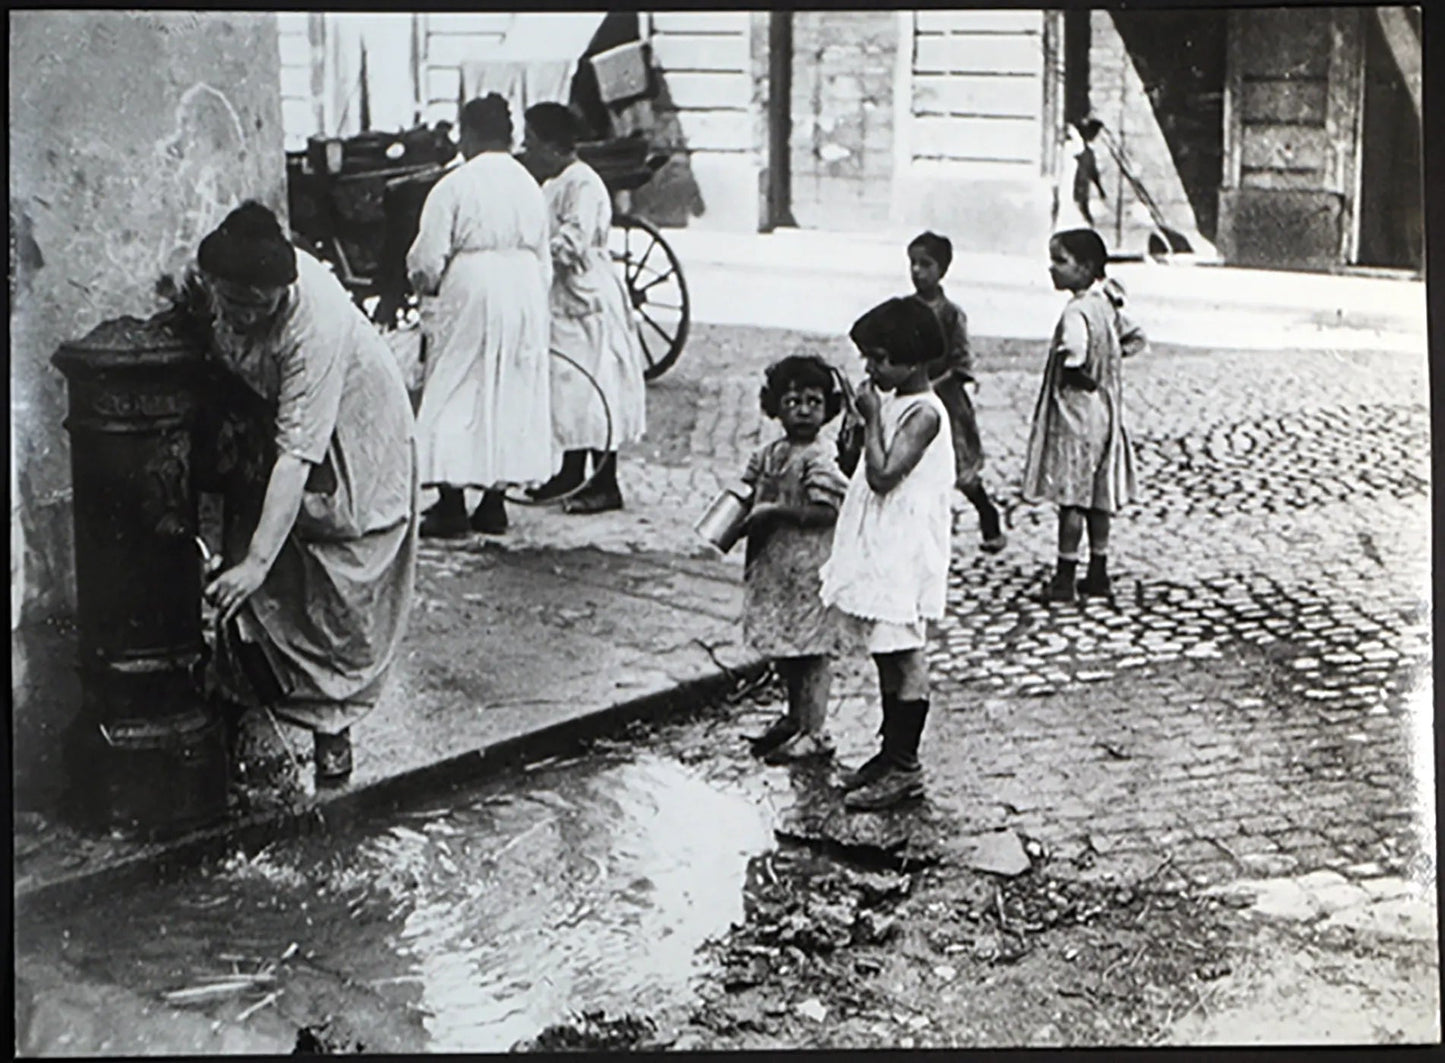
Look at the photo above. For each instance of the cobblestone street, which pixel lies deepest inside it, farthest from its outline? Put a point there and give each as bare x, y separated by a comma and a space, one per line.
1251, 704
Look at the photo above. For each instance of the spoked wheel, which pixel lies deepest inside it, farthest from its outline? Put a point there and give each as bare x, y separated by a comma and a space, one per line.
656, 287
519, 497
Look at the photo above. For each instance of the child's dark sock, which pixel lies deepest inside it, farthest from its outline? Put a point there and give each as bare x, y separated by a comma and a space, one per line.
907, 721
889, 700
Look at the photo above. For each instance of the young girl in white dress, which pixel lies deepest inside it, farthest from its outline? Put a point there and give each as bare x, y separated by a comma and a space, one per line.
888, 570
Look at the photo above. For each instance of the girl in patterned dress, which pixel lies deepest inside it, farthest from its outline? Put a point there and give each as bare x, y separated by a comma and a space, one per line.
797, 487
1079, 455
888, 568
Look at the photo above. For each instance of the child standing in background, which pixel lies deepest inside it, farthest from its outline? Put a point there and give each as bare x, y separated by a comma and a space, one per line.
929, 256
1079, 455
888, 569
797, 488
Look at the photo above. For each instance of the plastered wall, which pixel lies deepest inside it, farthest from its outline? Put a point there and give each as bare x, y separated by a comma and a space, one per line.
131, 136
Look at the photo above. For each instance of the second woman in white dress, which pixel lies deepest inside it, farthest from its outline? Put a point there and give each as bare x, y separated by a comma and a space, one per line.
592, 323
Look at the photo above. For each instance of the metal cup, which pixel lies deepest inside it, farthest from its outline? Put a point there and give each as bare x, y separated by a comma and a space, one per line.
722, 524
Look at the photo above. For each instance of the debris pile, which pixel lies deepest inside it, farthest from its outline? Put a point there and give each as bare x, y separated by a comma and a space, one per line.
593, 1031
795, 916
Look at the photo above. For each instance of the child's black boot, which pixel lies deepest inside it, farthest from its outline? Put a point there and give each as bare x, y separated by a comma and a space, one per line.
1061, 587
901, 778
1096, 582
877, 764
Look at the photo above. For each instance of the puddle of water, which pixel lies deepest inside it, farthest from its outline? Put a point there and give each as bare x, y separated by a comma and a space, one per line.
580, 886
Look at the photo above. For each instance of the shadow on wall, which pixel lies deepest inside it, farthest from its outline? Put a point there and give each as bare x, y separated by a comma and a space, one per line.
1180, 58
672, 197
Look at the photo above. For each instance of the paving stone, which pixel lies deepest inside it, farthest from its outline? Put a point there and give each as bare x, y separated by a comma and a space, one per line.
1411, 918
1343, 895
996, 852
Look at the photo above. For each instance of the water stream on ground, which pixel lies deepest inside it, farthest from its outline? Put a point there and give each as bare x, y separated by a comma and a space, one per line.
467, 925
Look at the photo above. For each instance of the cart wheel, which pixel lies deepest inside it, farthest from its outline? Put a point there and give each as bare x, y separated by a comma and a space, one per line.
655, 283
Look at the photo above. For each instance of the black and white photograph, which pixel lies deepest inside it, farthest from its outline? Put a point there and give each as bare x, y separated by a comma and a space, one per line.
730, 529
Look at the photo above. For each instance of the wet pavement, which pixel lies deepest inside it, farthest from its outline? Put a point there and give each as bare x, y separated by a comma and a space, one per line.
464, 926
1253, 706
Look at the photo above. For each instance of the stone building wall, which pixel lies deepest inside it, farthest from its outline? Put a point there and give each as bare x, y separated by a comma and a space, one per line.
1118, 97
131, 136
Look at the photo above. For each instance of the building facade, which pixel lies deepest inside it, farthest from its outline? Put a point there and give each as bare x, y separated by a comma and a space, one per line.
131, 137
1287, 136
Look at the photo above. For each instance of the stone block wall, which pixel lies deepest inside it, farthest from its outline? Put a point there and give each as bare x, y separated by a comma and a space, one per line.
131, 136
710, 115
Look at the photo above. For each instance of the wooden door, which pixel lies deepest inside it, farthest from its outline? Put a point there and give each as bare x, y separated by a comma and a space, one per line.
1292, 136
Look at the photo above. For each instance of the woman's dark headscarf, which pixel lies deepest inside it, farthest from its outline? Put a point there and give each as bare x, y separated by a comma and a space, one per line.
906, 328
249, 247
555, 124
1085, 246
488, 118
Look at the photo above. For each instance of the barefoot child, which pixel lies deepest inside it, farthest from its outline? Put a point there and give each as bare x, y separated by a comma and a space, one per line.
929, 256
797, 488
1079, 455
888, 569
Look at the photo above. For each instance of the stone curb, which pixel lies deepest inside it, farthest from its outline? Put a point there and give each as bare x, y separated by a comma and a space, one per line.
162, 860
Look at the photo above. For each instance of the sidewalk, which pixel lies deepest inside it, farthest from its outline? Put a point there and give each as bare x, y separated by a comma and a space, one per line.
744, 278
511, 653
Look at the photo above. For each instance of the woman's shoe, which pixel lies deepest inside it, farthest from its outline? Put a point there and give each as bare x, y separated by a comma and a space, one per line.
556, 487
802, 746
444, 526
447, 519
1096, 588
779, 731
332, 755
572, 475
490, 516
593, 502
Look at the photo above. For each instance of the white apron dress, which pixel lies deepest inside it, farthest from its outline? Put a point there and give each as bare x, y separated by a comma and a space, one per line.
592, 321
330, 616
486, 412
889, 564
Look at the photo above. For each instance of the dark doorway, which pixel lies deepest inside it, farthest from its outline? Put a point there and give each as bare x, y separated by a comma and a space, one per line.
1391, 195
1180, 59
1076, 64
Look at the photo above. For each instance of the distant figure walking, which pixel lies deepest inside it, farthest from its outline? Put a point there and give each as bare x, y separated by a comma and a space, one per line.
1079, 456
486, 412
592, 320
797, 489
929, 256
888, 569
1079, 177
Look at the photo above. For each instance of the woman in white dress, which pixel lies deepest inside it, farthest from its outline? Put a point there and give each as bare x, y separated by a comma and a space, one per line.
592, 321
481, 250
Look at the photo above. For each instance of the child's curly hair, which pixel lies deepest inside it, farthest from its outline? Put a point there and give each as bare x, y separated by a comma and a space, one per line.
800, 371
